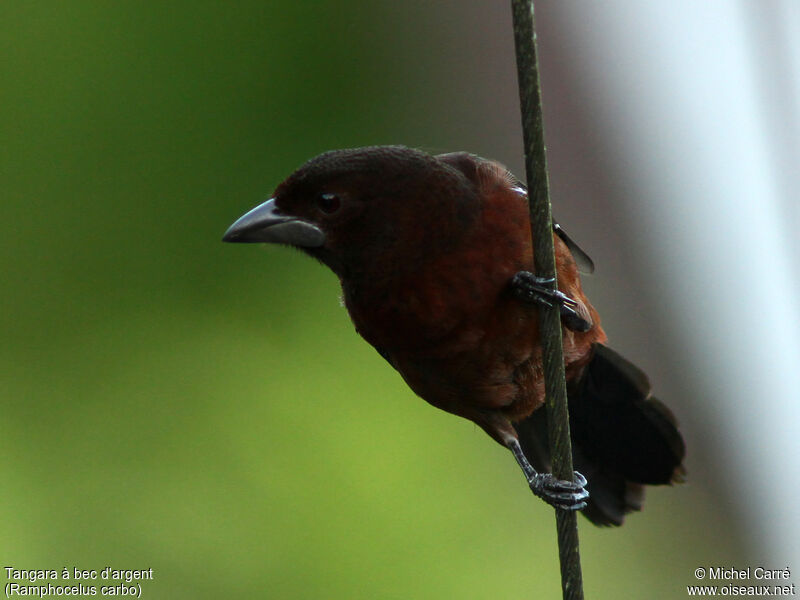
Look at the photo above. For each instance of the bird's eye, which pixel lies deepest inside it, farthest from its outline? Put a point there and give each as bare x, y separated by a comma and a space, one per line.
328, 203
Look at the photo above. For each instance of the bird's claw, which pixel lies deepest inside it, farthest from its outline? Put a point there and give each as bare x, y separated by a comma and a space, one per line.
532, 289
566, 495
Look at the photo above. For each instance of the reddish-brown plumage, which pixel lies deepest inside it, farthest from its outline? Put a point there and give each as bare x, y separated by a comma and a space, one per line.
451, 326
426, 248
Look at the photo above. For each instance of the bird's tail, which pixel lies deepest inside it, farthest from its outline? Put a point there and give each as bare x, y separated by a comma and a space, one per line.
622, 437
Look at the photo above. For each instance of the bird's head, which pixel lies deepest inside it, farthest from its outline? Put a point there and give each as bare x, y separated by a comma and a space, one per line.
361, 209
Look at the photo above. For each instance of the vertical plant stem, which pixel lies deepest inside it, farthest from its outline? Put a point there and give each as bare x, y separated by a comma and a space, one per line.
545, 266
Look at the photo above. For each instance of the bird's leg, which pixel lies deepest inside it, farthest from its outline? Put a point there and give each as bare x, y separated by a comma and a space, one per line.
532, 289
566, 495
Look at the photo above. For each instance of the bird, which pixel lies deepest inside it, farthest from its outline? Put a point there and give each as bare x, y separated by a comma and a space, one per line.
433, 254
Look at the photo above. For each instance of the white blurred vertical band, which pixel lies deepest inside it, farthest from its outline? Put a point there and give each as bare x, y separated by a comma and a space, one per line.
681, 87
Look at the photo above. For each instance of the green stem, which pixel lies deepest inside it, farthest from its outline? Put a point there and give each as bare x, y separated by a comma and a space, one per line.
545, 266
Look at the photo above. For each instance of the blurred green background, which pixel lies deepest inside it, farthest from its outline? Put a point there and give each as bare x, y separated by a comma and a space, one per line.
207, 410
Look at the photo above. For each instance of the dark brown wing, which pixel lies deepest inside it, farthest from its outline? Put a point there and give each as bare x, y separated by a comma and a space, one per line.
583, 260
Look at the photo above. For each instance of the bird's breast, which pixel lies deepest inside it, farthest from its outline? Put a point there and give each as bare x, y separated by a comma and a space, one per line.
453, 329
450, 325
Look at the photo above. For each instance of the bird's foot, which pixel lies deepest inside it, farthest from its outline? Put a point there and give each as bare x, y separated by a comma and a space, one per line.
532, 289
566, 495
